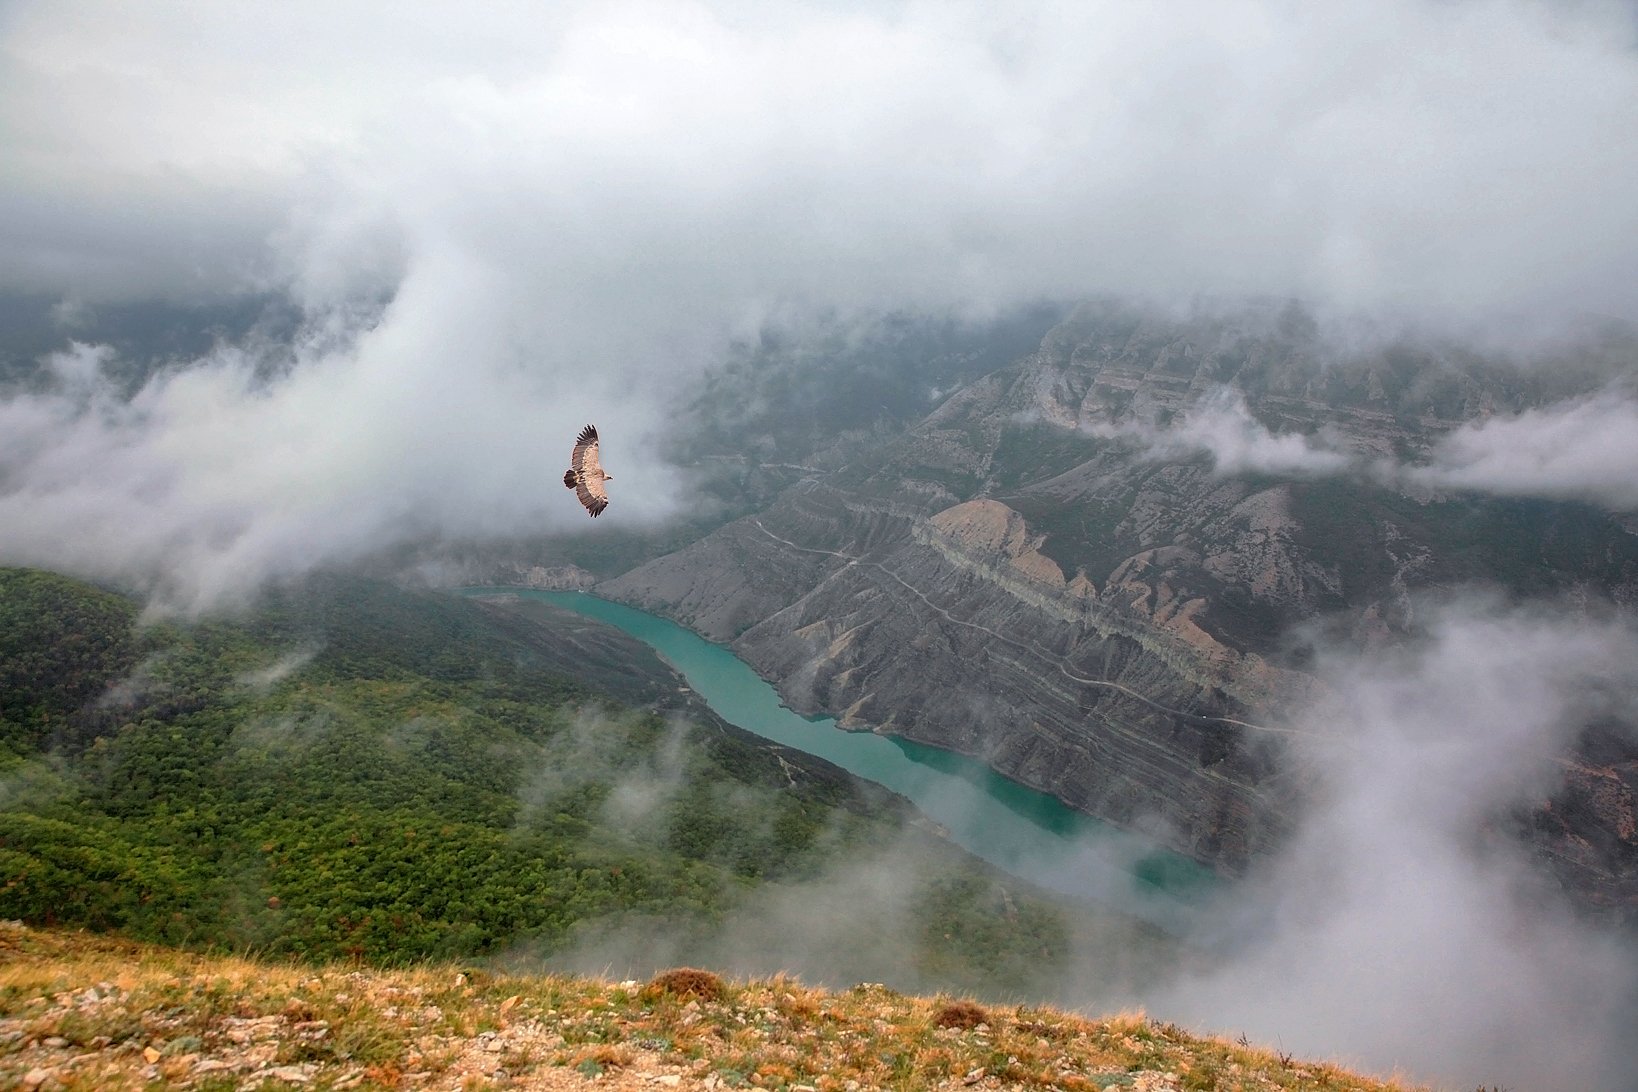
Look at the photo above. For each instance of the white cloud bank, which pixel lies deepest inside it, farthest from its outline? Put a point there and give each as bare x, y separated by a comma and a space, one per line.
1464, 153
1468, 154
1221, 425
1580, 449
1585, 449
572, 205
1394, 931
211, 480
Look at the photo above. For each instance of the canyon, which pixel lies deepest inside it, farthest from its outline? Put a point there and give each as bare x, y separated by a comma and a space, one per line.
1020, 577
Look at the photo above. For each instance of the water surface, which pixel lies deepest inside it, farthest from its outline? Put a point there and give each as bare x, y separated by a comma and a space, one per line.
1031, 834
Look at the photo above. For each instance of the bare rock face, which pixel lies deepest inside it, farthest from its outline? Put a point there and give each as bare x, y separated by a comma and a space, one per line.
556, 577
953, 630
1116, 629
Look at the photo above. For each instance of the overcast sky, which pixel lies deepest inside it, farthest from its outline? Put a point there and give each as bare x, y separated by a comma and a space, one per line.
1449, 154
571, 204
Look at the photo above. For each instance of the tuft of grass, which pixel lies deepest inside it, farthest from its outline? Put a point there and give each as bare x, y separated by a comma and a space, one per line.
961, 1014
687, 982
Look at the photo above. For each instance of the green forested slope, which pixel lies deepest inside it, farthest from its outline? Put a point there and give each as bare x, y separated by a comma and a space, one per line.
61, 645
355, 770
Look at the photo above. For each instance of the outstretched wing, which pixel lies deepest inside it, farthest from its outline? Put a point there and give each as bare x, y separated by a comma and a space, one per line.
588, 472
584, 457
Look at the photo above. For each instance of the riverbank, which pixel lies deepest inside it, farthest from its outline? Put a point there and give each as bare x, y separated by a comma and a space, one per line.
1029, 834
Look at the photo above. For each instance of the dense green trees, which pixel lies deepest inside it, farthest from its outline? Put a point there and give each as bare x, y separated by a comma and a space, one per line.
357, 771
62, 644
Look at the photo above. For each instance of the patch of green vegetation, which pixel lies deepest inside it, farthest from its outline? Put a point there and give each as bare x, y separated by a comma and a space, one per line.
410, 789
1027, 454
1079, 537
1005, 941
61, 644
1519, 544
356, 772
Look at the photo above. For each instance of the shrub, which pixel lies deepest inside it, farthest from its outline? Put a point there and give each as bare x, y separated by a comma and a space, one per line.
961, 1014
687, 982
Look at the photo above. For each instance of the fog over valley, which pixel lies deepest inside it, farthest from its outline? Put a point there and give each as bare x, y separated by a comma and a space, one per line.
567, 215
1219, 417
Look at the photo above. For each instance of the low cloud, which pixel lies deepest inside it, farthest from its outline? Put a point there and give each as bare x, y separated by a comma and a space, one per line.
866, 919
573, 207
1221, 426
1584, 449
851, 925
1404, 926
214, 478
262, 679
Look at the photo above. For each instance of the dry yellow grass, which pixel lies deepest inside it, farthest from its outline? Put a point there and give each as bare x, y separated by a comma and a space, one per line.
91, 1012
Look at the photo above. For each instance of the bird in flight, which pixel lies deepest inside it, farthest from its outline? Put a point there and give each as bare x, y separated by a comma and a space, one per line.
585, 474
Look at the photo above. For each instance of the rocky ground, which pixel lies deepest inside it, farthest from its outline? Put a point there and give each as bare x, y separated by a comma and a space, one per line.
81, 1012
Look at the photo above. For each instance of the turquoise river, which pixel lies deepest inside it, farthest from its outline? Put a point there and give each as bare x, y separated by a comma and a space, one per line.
1030, 834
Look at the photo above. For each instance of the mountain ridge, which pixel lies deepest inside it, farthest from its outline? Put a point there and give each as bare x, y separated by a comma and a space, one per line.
1020, 508
82, 1012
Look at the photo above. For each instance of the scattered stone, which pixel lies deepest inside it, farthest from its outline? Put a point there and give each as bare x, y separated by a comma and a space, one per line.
150, 1055
295, 1074
36, 1077
55, 1042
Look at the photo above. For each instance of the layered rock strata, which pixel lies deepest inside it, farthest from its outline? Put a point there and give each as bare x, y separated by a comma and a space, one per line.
1014, 580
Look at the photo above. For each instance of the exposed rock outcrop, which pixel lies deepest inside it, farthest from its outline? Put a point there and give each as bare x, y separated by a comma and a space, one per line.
556, 577
1006, 581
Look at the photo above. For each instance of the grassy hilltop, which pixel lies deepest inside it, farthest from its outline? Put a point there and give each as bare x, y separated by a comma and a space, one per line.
83, 1012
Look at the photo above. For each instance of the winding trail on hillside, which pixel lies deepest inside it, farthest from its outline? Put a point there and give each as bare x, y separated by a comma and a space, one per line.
1108, 684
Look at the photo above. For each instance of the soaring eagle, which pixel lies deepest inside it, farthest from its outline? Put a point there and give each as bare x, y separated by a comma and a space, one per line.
585, 474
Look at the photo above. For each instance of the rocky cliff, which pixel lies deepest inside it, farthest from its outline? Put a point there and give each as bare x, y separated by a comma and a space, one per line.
1013, 578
